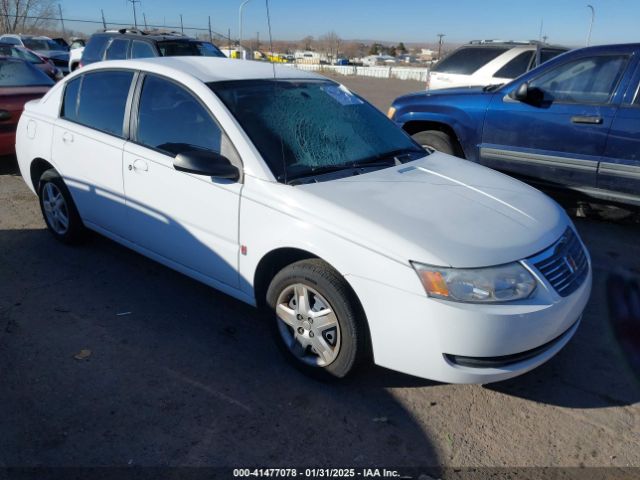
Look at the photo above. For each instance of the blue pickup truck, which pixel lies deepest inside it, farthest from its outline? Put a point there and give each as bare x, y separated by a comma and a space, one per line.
573, 123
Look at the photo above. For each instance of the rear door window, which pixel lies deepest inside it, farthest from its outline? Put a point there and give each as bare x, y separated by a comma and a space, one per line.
117, 50
467, 60
103, 100
517, 66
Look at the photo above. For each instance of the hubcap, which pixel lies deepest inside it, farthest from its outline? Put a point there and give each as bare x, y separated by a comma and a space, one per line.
308, 325
55, 208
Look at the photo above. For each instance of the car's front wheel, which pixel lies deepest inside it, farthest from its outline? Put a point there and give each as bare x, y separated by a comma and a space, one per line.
59, 211
318, 322
435, 140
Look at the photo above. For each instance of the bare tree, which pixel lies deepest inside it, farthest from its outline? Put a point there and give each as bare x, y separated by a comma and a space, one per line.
26, 15
330, 44
307, 42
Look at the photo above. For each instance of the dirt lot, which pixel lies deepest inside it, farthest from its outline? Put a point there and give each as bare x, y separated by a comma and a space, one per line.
179, 374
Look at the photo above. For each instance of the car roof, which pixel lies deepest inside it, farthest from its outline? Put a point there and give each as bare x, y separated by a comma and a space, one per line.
207, 69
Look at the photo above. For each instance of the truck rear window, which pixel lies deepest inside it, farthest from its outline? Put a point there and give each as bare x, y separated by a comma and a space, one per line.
467, 60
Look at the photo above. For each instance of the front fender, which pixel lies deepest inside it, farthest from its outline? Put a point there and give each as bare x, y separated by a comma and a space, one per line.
466, 131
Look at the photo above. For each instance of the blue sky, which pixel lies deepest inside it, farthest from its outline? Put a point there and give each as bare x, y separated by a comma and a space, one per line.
565, 21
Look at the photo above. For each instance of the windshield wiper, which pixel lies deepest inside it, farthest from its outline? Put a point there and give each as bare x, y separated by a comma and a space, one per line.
388, 159
394, 157
314, 171
492, 88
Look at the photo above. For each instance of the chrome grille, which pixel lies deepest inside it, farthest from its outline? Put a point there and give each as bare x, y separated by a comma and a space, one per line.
565, 264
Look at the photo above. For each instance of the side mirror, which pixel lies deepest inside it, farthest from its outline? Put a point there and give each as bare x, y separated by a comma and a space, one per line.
521, 93
206, 163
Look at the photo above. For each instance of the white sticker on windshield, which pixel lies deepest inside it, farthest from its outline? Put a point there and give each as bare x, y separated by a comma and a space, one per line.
342, 95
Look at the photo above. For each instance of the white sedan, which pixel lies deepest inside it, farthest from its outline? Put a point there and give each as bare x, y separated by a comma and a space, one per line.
292, 193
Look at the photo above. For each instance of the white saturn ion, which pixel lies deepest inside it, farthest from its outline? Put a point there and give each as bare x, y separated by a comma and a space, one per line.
285, 190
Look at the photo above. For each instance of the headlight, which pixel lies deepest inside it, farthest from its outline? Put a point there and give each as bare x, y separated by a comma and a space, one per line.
504, 283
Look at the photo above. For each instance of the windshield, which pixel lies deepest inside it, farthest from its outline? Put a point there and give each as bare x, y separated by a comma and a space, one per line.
183, 48
467, 60
42, 44
17, 73
302, 127
17, 52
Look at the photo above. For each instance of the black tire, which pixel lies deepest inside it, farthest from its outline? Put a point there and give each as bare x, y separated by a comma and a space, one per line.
75, 230
353, 333
436, 140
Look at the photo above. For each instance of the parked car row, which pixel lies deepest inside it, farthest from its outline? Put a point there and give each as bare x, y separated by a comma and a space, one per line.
364, 240
56, 52
571, 123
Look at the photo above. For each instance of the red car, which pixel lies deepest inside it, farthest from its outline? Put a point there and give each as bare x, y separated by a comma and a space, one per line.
19, 82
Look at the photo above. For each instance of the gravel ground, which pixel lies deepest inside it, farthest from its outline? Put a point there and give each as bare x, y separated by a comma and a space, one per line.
178, 374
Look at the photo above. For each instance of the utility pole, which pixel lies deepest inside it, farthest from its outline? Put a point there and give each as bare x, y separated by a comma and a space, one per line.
181, 26
135, 17
541, 25
240, 24
593, 16
144, 16
210, 36
64, 34
257, 40
440, 35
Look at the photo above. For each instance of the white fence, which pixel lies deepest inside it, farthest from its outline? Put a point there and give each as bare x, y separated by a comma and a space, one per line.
401, 73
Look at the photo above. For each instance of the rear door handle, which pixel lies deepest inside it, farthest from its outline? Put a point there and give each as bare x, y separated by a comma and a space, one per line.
140, 165
586, 119
5, 115
67, 137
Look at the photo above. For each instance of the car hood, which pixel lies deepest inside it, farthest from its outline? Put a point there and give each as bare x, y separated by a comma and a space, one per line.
441, 92
439, 210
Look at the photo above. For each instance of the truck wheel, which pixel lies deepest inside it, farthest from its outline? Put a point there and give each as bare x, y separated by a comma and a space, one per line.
435, 140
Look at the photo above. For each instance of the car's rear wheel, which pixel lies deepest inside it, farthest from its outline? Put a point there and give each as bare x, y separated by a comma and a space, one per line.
59, 211
435, 140
318, 322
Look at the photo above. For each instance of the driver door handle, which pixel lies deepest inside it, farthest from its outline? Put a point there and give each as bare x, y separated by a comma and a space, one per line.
140, 165
595, 120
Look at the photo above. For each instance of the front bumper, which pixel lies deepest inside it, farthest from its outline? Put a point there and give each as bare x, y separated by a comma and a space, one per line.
423, 336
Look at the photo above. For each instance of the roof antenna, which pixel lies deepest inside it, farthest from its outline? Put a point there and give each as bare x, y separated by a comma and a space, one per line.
273, 65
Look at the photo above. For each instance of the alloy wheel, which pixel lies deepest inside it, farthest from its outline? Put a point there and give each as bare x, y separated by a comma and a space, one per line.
55, 208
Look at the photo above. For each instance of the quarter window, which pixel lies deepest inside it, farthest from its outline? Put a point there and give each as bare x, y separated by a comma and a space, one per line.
103, 100
142, 50
117, 50
586, 80
70, 101
172, 120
